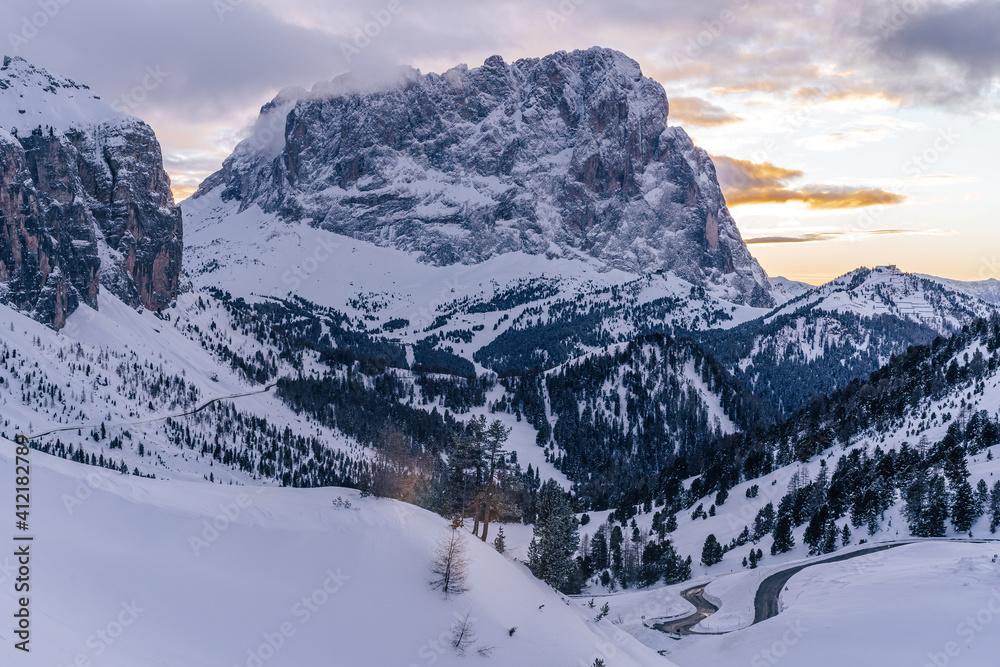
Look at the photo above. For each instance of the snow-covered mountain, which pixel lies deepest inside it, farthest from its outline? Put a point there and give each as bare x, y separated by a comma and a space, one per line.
827, 336
380, 264
784, 290
565, 156
84, 199
985, 290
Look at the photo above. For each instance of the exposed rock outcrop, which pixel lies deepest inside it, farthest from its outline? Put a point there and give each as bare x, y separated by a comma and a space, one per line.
84, 198
566, 155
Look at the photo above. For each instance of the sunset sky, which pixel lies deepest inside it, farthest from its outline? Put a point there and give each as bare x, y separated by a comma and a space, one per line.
845, 132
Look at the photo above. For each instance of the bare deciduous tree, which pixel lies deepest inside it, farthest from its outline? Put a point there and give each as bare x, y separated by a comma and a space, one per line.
463, 633
450, 565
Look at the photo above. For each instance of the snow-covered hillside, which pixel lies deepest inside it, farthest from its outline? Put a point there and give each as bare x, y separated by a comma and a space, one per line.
132, 573
910, 605
784, 290
951, 432
844, 330
132, 371
389, 293
885, 290
985, 290
32, 97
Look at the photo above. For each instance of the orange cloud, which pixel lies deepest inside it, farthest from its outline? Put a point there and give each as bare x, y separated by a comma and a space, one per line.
696, 111
814, 237
745, 182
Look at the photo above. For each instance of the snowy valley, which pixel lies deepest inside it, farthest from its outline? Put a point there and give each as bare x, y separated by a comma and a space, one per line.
502, 384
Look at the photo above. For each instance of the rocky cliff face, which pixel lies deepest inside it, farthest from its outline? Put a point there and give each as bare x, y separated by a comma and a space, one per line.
568, 155
84, 199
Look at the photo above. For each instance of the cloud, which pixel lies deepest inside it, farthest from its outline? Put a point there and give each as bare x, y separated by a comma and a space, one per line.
744, 182
746, 175
965, 34
224, 64
696, 111
816, 237
216, 62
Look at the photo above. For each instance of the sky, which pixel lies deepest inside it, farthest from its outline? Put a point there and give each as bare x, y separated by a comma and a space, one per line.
846, 133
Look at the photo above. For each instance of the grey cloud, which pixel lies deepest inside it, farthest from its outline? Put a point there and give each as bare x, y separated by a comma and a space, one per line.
212, 65
967, 35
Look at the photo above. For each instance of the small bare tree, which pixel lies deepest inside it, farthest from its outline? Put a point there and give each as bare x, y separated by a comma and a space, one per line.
450, 565
463, 633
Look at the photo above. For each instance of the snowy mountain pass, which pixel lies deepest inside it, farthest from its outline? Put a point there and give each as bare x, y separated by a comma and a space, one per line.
130, 572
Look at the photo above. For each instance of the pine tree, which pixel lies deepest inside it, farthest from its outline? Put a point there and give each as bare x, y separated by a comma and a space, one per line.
963, 508
816, 530
763, 523
916, 502
712, 552
845, 536
783, 538
495, 458
555, 540
995, 507
500, 542
936, 514
465, 467
982, 497
675, 568
830, 538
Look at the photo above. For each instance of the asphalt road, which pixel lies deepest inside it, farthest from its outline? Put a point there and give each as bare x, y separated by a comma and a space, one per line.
765, 601
683, 626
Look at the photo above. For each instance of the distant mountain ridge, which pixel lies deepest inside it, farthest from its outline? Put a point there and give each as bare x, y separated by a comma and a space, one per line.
568, 155
843, 330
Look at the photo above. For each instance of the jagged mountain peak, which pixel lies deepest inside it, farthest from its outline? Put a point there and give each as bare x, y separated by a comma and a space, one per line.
568, 155
85, 200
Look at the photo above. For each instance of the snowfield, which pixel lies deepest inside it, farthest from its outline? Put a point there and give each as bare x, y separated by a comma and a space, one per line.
130, 572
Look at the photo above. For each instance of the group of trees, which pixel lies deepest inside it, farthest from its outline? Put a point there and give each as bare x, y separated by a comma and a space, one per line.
620, 554
624, 419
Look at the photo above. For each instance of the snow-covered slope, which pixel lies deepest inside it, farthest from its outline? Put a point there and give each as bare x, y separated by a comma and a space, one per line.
913, 605
985, 290
133, 573
523, 298
31, 97
843, 330
941, 407
784, 290
131, 371
885, 290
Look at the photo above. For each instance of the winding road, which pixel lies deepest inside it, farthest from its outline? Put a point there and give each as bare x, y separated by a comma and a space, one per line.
24, 439
765, 601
